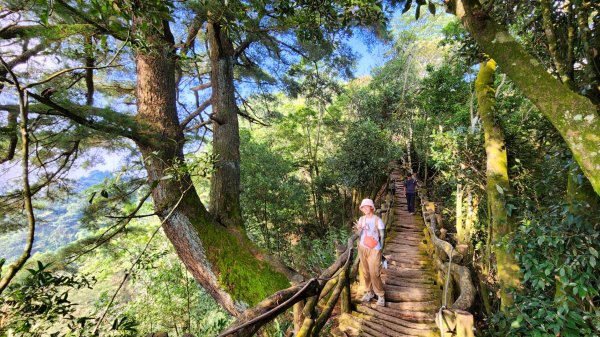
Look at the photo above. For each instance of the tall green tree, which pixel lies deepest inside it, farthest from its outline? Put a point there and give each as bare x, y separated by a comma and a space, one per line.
574, 116
309, 30
239, 274
497, 185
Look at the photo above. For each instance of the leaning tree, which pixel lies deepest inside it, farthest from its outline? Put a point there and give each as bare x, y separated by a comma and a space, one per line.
70, 63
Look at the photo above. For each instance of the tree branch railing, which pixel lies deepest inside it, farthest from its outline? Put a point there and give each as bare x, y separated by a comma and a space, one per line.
453, 317
324, 292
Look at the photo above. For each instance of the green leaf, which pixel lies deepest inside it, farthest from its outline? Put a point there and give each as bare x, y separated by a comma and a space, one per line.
431, 6
44, 18
517, 323
418, 12
593, 251
593, 262
499, 189
510, 208
92, 197
407, 6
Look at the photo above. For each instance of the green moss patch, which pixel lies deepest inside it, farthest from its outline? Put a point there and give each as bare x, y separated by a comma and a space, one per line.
240, 273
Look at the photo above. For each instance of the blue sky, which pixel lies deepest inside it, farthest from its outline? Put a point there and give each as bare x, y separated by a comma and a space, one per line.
368, 56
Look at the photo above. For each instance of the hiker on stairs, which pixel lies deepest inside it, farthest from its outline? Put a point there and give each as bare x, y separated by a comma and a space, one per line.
370, 249
410, 190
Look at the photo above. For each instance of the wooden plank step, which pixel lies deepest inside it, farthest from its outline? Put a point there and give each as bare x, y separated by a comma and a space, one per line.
427, 283
374, 310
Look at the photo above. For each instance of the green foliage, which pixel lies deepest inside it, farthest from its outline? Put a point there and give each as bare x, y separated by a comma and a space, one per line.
34, 306
363, 156
272, 197
322, 250
456, 36
558, 253
446, 94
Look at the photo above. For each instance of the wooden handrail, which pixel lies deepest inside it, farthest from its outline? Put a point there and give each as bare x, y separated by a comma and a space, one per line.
455, 320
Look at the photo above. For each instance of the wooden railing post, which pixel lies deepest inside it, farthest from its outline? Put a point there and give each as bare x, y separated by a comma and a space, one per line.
464, 323
298, 317
346, 297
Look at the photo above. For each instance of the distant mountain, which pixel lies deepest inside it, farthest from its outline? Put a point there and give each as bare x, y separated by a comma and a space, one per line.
93, 178
56, 226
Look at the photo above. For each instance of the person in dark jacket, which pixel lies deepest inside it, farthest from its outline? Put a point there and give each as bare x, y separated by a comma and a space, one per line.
410, 188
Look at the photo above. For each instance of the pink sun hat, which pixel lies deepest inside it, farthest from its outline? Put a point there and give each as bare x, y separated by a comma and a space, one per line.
367, 202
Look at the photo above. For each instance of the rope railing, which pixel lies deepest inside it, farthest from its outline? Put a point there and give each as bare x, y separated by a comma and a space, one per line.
332, 286
453, 318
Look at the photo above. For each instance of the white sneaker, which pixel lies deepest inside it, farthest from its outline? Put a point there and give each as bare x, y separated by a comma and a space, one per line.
381, 301
367, 296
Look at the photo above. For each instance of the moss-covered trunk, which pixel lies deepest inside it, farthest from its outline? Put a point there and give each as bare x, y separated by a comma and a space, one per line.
465, 233
221, 259
580, 194
497, 183
225, 180
574, 116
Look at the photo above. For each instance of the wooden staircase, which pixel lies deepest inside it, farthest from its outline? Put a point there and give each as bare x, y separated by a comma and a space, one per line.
412, 294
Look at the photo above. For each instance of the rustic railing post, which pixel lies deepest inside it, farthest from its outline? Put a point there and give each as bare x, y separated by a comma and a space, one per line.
345, 304
298, 317
464, 323
310, 314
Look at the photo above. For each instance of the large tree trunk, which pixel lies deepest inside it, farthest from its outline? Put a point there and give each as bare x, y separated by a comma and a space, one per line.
497, 184
221, 259
574, 116
225, 180
580, 195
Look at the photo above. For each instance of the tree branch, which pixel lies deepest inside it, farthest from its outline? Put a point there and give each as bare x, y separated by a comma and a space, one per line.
49, 177
199, 110
89, 70
11, 129
27, 54
91, 22
243, 46
64, 71
202, 86
15, 267
192, 34
121, 224
94, 118
575, 117
52, 32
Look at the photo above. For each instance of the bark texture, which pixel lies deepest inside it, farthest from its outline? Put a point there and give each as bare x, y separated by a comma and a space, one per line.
222, 260
580, 194
497, 183
575, 117
225, 180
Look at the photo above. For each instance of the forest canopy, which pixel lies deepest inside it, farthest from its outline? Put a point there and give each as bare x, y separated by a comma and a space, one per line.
169, 166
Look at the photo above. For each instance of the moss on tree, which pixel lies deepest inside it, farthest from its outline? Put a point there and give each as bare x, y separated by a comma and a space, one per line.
497, 183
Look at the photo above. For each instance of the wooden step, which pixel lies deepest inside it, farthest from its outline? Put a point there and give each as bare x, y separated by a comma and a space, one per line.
374, 310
